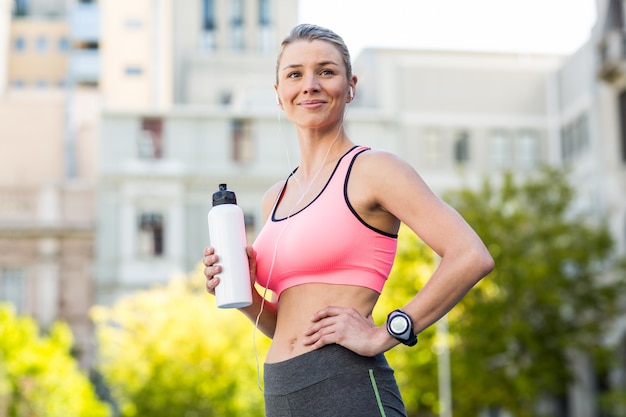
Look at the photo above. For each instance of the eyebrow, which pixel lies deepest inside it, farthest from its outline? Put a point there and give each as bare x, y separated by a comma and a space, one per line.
320, 64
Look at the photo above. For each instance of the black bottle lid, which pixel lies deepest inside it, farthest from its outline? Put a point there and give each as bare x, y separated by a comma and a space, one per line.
224, 196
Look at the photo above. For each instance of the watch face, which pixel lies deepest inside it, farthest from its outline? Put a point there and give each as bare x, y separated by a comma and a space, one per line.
399, 325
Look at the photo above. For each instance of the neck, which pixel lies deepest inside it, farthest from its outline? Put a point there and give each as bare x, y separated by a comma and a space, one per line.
317, 149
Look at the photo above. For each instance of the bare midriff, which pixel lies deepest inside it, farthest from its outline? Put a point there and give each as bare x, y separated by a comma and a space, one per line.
298, 304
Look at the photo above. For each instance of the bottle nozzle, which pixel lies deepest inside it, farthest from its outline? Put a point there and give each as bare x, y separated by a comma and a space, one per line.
224, 196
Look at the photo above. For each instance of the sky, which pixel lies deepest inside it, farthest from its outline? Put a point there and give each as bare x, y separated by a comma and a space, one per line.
519, 26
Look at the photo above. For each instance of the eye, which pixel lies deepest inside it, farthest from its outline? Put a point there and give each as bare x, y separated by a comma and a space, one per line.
294, 74
327, 71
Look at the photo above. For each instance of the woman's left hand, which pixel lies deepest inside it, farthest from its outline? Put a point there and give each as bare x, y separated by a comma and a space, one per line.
348, 328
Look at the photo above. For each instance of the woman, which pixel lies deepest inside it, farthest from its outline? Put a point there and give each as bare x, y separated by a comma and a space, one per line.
328, 245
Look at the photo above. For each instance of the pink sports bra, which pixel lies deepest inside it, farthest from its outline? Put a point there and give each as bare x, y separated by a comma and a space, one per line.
325, 242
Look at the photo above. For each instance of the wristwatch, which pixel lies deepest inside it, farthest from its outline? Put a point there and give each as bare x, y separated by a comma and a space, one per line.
400, 326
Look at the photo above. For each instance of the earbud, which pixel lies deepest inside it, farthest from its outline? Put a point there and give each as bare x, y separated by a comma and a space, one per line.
277, 99
351, 94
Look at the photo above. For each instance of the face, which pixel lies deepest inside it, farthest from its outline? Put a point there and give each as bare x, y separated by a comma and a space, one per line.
313, 88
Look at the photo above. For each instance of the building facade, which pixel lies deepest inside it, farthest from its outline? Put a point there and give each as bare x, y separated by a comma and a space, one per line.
206, 117
49, 113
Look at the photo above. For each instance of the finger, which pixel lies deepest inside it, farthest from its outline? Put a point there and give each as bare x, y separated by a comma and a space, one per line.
211, 285
330, 311
211, 271
320, 337
210, 260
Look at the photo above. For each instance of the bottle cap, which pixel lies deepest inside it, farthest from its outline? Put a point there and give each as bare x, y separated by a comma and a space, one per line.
224, 196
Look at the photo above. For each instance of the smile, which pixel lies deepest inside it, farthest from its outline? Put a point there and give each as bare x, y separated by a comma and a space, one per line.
310, 104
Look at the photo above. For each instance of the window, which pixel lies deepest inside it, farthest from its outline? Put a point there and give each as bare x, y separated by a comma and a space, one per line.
133, 71
13, 287
433, 147
20, 8
264, 13
242, 141
133, 23
622, 115
265, 26
236, 23
250, 224
575, 138
19, 44
462, 147
64, 44
614, 16
527, 149
581, 126
501, 156
150, 139
208, 25
150, 235
42, 44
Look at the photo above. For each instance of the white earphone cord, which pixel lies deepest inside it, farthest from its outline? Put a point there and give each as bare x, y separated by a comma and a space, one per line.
303, 194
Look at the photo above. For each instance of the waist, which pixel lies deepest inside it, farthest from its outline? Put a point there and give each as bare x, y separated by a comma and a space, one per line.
298, 304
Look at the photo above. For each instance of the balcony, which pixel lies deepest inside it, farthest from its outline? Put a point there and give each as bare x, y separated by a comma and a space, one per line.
84, 22
85, 65
612, 57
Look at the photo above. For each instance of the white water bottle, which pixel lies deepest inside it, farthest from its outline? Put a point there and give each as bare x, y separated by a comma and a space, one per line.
227, 233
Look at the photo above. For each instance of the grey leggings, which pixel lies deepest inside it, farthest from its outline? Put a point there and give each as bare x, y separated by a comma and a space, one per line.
332, 382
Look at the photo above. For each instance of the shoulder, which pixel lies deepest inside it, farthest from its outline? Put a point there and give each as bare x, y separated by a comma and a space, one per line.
388, 179
372, 156
377, 165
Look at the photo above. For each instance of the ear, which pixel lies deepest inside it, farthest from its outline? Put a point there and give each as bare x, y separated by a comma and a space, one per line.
352, 89
277, 96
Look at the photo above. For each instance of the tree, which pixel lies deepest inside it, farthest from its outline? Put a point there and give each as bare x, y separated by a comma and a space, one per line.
554, 292
38, 376
169, 351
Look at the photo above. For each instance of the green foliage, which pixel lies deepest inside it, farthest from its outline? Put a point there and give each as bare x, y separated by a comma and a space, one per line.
170, 351
554, 291
416, 367
38, 376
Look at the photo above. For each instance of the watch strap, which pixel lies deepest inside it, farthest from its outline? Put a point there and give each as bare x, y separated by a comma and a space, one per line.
408, 337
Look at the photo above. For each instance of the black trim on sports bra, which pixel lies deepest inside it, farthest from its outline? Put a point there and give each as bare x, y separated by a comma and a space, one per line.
282, 191
345, 196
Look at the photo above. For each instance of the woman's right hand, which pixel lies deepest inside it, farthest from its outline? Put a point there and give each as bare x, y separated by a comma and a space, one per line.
211, 269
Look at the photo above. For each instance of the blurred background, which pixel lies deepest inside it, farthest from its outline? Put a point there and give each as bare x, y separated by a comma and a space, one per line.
118, 120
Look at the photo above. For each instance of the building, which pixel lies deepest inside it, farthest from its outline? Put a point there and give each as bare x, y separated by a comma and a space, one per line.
49, 112
207, 115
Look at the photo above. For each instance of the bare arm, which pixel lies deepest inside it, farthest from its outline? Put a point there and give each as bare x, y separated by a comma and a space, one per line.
464, 258
385, 190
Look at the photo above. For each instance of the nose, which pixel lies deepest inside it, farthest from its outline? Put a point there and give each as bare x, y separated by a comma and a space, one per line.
311, 84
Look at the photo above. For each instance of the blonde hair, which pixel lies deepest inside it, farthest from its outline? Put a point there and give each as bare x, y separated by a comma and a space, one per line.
310, 32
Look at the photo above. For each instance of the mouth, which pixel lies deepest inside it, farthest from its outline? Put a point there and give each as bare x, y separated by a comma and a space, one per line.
312, 103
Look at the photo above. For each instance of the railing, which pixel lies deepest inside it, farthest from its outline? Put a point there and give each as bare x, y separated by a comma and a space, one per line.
612, 56
85, 65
